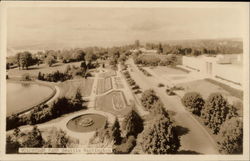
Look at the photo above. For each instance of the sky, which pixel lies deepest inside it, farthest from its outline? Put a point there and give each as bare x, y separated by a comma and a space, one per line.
49, 27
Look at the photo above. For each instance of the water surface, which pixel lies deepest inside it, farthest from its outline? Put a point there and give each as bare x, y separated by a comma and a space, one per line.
21, 96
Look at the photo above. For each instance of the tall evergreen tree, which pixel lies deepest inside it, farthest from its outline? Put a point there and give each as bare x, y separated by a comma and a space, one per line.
132, 123
116, 132
160, 137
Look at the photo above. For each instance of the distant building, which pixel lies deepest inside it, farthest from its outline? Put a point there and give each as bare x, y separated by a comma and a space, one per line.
228, 68
144, 51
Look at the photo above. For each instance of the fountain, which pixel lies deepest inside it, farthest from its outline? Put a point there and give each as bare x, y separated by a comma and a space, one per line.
87, 122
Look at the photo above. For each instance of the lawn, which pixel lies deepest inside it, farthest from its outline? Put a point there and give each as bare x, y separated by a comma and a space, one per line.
118, 101
69, 88
205, 88
104, 85
118, 82
162, 70
234, 92
44, 68
114, 103
108, 74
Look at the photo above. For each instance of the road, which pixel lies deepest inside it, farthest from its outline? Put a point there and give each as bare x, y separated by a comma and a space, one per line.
196, 138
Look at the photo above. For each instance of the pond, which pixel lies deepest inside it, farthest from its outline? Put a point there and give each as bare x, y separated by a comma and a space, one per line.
21, 96
87, 123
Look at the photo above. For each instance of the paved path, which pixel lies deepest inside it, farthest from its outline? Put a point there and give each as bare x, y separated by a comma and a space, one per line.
58, 91
197, 138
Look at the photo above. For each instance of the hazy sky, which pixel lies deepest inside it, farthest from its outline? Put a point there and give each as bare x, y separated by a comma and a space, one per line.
80, 27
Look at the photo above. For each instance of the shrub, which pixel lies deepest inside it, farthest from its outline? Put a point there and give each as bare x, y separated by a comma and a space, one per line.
43, 113
102, 135
177, 88
57, 139
14, 121
160, 137
126, 147
135, 87
194, 102
33, 139
161, 85
12, 145
50, 60
231, 136
137, 91
26, 77
148, 99
216, 111
170, 92
158, 109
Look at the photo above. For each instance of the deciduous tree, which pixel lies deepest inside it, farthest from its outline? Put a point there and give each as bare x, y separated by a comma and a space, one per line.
231, 136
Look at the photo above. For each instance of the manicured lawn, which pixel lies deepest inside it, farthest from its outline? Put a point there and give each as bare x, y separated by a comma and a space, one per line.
205, 88
104, 85
118, 101
107, 74
234, 92
161, 70
113, 102
118, 82
69, 88
44, 68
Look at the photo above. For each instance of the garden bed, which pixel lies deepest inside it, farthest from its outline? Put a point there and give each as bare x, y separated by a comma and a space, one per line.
104, 85
114, 102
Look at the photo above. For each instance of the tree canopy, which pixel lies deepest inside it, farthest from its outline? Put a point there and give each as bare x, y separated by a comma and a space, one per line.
231, 136
160, 137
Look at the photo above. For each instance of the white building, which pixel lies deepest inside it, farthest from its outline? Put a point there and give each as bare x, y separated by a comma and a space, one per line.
145, 51
228, 68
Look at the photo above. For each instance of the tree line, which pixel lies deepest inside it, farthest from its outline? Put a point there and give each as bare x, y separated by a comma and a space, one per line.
221, 117
56, 138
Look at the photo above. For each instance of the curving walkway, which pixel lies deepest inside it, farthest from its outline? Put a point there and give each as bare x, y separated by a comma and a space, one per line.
57, 94
196, 138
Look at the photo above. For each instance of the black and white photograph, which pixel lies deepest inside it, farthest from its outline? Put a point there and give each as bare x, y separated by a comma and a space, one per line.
149, 79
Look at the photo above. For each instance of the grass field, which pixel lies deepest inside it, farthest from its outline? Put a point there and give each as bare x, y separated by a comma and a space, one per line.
118, 101
44, 68
104, 85
108, 74
161, 70
118, 82
113, 103
205, 88
69, 88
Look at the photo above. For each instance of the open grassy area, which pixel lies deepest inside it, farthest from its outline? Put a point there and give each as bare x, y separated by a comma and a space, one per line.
104, 85
205, 88
118, 82
107, 74
114, 103
162, 70
234, 92
68, 88
44, 68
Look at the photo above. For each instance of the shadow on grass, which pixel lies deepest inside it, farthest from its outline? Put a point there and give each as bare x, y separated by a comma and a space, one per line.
181, 130
188, 152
